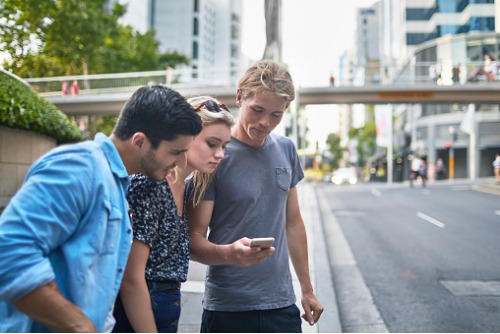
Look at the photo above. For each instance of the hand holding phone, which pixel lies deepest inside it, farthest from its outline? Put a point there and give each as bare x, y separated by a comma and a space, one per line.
262, 242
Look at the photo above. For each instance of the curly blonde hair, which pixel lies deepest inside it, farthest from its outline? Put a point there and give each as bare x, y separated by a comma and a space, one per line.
267, 75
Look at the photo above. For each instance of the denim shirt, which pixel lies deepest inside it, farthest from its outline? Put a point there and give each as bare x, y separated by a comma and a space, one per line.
69, 224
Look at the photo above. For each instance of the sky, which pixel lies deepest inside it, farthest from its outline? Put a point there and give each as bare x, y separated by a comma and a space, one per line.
315, 33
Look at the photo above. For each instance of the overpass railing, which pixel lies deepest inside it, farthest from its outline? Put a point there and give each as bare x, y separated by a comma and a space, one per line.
125, 82
443, 73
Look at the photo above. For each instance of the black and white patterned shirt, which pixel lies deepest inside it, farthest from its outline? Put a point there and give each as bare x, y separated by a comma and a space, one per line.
157, 223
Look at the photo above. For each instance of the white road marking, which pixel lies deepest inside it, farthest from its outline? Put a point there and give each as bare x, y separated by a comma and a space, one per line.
430, 219
376, 192
460, 187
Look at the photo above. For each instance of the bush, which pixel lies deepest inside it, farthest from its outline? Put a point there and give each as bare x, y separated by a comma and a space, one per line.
22, 108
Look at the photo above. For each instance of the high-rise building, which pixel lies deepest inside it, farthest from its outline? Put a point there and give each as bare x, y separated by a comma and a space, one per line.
362, 65
406, 25
206, 31
440, 42
435, 42
426, 20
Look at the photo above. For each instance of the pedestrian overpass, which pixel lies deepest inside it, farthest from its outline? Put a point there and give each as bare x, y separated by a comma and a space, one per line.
109, 102
105, 94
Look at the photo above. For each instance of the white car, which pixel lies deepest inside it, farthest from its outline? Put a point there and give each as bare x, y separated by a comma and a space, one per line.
345, 175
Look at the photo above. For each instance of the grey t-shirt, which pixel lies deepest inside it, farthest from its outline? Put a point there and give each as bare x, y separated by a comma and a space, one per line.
250, 190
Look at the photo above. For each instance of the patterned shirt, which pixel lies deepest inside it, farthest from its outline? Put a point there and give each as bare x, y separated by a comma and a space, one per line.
157, 223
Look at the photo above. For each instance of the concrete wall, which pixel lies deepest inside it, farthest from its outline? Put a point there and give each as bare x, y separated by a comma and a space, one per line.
18, 150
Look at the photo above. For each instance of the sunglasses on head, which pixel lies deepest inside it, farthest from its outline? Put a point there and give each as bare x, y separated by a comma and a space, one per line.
212, 106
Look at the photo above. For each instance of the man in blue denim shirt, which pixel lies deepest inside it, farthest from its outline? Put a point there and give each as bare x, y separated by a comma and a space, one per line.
65, 236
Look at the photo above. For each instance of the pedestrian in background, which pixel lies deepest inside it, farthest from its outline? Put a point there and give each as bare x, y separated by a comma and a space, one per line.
65, 236
456, 74
150, 296
417, 170
254, 194
440, 169
75, 88
490, 67
332, 79
64, 88
496, 168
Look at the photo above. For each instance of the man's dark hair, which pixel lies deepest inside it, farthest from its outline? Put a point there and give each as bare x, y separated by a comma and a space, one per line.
159, 112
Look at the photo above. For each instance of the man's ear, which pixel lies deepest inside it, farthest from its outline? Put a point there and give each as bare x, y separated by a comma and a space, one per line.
139, 139
239, 97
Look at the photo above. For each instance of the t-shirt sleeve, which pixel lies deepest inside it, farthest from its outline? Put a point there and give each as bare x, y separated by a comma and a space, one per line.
297, 172
211, 188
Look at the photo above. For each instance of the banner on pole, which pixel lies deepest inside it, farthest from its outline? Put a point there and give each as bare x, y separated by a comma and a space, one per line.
467, 124
382, 123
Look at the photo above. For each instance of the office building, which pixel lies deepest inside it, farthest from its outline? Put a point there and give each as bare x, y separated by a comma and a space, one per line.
441, 42
208, 32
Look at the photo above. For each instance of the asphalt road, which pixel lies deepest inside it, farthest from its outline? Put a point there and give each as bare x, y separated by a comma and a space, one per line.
414, 259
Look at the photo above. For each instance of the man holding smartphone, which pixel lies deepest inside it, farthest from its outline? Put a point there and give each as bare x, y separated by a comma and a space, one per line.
253, 195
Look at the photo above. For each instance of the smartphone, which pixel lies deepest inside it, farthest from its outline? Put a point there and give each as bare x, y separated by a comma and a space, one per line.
262, 242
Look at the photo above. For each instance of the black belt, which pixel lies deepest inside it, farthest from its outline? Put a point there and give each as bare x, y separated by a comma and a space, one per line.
163, 285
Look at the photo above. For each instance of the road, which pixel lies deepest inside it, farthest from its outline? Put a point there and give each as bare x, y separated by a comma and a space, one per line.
423, 260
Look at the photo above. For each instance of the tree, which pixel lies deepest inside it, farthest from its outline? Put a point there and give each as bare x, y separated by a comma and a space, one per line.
23, 27
68, 37
68, 31
71, 37
334, 147
366, 136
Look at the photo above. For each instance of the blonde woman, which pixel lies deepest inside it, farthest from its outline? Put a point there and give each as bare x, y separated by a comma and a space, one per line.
150, 295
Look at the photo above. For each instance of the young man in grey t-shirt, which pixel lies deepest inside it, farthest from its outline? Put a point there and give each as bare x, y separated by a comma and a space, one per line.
253, 195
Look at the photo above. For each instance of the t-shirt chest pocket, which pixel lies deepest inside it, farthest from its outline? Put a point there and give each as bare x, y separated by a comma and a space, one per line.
283, 178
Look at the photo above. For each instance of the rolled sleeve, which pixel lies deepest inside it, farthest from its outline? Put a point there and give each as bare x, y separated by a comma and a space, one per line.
34, 277
43, 214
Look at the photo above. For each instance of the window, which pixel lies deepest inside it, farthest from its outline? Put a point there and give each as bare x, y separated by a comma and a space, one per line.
195, 26
195, 50
194, 75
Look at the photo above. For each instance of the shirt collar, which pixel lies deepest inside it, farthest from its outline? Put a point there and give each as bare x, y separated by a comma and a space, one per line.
114, 159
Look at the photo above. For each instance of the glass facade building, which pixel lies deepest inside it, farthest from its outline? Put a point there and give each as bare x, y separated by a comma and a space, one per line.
443, 17
444, 43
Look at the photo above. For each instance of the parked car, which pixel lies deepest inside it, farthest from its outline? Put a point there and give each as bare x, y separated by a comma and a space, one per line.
345, 175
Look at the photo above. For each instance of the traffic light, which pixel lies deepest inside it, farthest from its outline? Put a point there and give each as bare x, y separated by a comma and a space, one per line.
455, 136
447, 144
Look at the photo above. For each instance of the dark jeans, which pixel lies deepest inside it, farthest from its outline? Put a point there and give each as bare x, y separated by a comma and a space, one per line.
282, 320
166, 310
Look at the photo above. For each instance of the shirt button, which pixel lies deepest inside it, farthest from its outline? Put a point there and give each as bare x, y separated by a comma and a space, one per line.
120, 270
129, 231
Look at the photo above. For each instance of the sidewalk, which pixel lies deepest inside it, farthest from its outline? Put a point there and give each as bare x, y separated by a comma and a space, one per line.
487, 185
321, 276
319, 262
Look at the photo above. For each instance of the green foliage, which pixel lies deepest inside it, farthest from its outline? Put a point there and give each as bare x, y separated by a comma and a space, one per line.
77, 30
76, 37
107, 124
333, 145
366, 136
22, 108
104, 124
